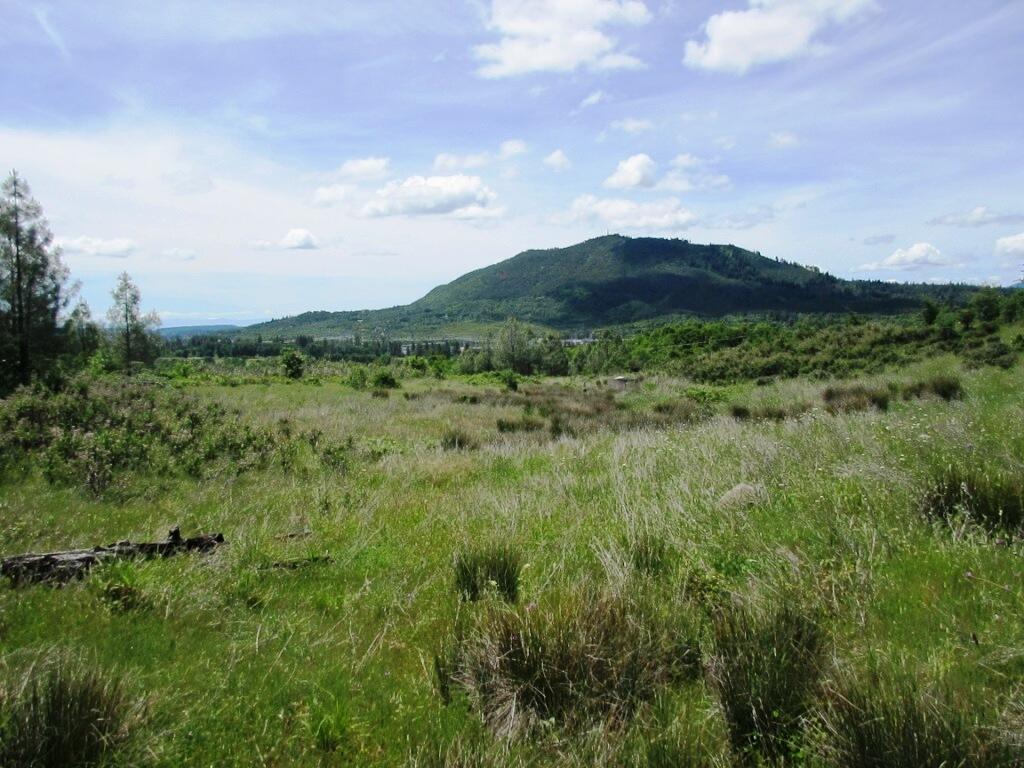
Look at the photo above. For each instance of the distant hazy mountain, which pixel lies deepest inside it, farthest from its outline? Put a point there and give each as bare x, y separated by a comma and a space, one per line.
616, 280
179, 331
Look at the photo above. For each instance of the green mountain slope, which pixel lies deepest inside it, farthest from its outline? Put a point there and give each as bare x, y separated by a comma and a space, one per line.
617, 280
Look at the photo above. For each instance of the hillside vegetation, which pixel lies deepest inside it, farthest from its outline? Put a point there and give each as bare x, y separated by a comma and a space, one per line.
616, 280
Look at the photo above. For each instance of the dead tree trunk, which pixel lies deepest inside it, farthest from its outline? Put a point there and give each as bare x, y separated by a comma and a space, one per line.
60, 567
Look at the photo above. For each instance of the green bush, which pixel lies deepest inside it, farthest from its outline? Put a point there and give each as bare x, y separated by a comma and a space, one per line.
384, 379
293, 364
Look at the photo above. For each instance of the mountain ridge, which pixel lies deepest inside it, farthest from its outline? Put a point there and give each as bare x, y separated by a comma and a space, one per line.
616, 280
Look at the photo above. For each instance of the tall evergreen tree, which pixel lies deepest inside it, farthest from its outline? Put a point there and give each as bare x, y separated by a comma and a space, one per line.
33, 285
130, 329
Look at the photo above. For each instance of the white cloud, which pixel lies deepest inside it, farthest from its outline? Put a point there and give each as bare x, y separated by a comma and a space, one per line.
978, 217
558, 161
460, 196
365, 168
768, 31
631, 125
511, 148
688, 173
593, 99
115, 248
1011, 246
298, 240
557, 36
666, 214
634, 171
447, 162
917, 256
333, 194
783, 140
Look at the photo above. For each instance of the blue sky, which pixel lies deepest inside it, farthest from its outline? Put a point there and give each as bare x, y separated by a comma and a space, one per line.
245, 160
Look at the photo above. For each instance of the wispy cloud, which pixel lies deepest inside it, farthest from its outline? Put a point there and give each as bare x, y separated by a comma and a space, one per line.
977, 217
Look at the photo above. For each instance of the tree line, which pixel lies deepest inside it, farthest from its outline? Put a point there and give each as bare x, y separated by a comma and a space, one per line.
46, 329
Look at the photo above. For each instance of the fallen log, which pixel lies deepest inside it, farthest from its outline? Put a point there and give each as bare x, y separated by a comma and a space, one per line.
61, 567
302, 562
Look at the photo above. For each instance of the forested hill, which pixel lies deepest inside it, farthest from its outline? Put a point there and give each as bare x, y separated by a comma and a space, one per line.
617, 280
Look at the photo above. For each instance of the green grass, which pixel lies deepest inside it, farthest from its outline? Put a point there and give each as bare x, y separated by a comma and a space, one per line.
333, 664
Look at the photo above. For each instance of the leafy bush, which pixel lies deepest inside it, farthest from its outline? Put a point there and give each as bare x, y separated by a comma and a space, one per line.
384, 379
995, 353
764, 669
993, 500
66, 716
585, 658
97, 434
293, 364
889, 721
495, 566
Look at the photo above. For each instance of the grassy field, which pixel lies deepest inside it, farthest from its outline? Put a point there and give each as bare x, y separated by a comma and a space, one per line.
701, 575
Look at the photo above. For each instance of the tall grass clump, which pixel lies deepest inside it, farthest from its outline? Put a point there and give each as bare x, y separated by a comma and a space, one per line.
942, 386
649, 552
495, 566
764, 669
992, 500
855, 397
66, 716
455, 439
891, 721
585, 658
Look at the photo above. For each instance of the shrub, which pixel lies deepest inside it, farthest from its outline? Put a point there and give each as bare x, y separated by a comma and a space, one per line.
992, 500
384, 379
995, 353
589, 657
455, 439
764, 670
946, 387
855, 397
293, 364
66, 716
496, 566
889, 721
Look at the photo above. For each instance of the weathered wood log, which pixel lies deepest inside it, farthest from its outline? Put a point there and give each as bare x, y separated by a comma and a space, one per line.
302, 562
60, 567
